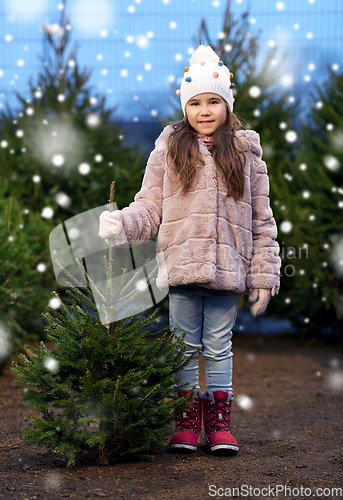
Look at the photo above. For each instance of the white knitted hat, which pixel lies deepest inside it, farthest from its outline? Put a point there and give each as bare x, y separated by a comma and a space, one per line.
206, 73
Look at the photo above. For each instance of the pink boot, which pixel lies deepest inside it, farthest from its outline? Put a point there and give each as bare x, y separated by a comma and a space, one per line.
217, 415
188, 424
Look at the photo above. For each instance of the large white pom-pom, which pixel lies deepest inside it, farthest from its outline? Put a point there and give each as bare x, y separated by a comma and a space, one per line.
203, 53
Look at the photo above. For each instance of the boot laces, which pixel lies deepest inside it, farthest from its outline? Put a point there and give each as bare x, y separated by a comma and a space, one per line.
189, 417
219, 416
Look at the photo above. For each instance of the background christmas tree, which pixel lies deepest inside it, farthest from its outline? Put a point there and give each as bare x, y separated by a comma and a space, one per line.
309, 214
58, 151
60, 146
23, 289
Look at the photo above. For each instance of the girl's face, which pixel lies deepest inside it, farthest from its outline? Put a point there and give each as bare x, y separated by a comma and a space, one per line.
206, 113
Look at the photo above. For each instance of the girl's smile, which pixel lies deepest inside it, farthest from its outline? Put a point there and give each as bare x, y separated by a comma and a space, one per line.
206, 112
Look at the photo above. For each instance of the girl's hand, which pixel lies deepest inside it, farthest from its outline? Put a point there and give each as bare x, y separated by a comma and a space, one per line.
110, 224
260, 297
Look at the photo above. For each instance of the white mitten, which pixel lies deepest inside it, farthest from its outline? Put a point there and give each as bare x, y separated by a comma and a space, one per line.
260, 297
110, 224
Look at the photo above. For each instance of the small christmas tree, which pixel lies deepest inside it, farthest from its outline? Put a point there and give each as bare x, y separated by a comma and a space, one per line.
104, 389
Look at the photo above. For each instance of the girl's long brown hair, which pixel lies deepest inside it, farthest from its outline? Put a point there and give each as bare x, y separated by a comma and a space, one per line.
184, 154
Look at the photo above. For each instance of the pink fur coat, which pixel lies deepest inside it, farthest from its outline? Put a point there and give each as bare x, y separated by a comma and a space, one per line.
207, 238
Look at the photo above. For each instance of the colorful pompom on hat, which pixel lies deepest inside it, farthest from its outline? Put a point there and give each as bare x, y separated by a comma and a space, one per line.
206, 73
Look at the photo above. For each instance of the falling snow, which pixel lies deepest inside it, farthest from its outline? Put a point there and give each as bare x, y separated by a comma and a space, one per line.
254, 91
55, 303
291, 136
335, 381
95, 20
141, 285
73, 233
286, 226
51, 364
331, 162
337, 253
58, 160
5, 340
84, 168
53, 481
93, 120
63, 199
244, 402
47, 213
276, 434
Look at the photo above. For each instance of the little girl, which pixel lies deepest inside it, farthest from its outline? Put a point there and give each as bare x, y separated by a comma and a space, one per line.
205, 193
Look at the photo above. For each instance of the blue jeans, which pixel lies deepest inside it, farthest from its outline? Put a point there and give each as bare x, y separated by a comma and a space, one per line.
207, 316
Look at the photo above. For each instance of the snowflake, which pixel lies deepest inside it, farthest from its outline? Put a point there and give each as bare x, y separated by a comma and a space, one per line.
51, 364
41, 267
286, 226
73, 233
84, 168
58, 160
254, 91
331, 163
244, 402
291, 136
47, 213
62, 199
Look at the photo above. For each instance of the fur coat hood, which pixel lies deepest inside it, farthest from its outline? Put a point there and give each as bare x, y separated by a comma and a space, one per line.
207, 238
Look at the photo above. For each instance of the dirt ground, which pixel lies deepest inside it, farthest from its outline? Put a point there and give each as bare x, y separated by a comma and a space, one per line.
291, 439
